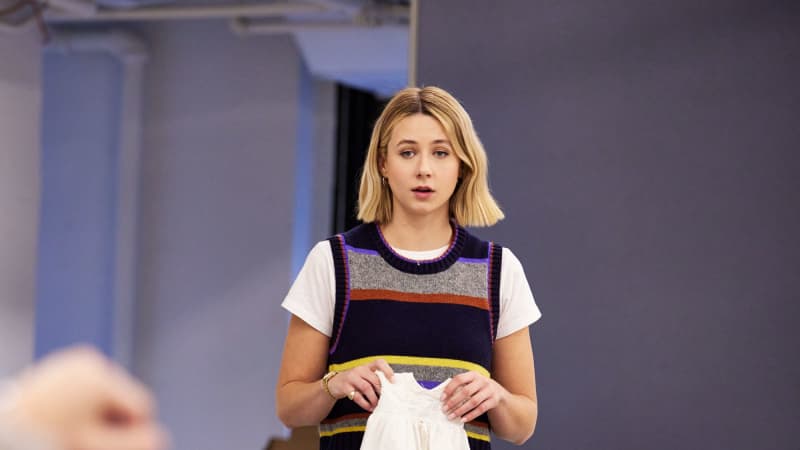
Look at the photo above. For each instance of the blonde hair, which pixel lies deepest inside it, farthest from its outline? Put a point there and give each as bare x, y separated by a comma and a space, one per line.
471, 204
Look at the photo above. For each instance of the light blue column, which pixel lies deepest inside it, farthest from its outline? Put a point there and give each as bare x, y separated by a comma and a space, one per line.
304, 172
80, 151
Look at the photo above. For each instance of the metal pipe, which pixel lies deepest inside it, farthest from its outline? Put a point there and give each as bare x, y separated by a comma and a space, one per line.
191, 12
244, 27
413, 43
337, 6
80, 8
116, 42
15, 28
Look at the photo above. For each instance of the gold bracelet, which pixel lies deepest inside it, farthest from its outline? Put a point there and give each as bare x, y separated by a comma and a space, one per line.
325, 381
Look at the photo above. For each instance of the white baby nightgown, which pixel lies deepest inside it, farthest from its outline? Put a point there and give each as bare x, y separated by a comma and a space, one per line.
410, 417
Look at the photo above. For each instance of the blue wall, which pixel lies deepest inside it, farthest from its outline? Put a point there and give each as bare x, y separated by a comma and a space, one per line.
80, 123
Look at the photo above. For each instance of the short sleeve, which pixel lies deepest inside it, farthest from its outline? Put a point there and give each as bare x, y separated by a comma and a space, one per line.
312, 295
518, 308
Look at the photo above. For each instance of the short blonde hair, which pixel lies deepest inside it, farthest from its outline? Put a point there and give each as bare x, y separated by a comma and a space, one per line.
471, 204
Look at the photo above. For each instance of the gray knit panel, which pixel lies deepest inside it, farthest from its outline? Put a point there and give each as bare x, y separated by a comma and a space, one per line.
353, 422
428, 373
373, 272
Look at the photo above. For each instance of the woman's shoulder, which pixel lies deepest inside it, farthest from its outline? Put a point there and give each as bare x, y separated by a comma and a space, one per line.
360, 234
319, 253
477, 245
509, 259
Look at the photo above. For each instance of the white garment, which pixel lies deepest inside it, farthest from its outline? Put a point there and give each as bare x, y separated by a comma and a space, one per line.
410, 417
313, 294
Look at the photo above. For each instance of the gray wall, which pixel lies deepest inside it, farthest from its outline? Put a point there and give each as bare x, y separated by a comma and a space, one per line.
225, 119
20, 104
646, 156
221, 118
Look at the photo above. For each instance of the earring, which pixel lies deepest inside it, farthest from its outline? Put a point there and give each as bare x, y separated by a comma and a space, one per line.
383, 181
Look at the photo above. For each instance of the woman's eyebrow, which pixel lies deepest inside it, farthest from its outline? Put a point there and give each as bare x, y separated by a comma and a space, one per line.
413, 142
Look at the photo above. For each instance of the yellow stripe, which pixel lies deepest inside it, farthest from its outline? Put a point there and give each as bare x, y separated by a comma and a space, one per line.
359, 428
411, 361
475, 435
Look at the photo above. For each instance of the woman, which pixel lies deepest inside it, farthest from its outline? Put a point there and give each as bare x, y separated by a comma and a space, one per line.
410, 290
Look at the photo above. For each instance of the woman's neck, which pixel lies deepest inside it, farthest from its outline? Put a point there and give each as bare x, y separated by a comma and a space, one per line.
417, 235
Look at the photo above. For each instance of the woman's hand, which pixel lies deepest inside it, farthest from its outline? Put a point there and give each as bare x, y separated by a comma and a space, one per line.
470, 394
361, 384
84, 401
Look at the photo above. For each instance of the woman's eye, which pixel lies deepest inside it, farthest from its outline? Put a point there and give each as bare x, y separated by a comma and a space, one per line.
407, 153
441, 153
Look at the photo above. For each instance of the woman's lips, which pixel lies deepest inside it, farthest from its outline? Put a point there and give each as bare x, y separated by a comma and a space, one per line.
422, 193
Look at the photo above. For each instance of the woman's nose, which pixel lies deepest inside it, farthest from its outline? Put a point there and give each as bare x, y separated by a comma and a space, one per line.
423, 168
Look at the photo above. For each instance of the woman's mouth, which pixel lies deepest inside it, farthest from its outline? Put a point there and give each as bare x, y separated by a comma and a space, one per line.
422, 192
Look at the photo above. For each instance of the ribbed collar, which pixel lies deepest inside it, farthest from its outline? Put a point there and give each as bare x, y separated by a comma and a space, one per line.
439, 264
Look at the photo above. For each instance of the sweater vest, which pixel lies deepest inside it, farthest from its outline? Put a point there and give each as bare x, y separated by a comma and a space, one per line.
434, 318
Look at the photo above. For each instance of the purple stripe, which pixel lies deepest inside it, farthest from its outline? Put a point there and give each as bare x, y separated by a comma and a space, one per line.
491, 289
346, 295
429, 384
474, 260
363, 251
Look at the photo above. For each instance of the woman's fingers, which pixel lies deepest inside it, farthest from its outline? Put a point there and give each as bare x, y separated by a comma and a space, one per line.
383, 366
453, 391
456, 394
366, 390
363, 384
467, 396
472, 407
475, 412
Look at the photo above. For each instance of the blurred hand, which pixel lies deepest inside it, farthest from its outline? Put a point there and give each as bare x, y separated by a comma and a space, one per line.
362, 382
82, 401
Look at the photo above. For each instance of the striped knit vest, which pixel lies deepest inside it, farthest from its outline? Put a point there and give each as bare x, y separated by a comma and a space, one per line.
435, 318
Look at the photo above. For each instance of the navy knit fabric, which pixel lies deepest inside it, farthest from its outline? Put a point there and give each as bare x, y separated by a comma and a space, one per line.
435, 318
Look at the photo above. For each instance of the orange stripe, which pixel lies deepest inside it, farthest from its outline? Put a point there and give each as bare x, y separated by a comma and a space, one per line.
477, 424
384, 294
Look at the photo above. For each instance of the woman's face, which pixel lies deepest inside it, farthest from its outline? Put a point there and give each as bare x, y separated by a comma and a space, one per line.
421, 167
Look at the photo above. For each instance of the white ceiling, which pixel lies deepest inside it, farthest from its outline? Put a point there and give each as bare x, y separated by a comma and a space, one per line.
361, 43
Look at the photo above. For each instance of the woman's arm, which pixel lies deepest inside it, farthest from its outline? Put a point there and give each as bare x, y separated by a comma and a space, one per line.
509, 396
301, 399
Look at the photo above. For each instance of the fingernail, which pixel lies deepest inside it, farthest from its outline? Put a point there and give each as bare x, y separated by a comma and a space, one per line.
451, 416
463, 420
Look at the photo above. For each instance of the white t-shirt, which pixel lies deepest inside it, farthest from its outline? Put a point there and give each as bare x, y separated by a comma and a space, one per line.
312, 297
